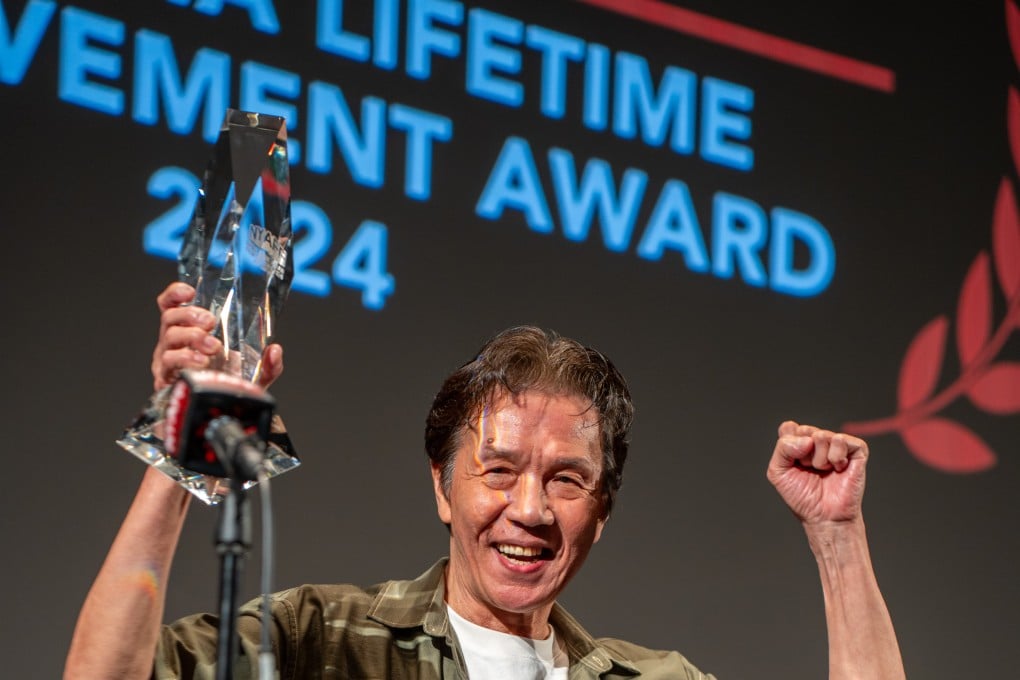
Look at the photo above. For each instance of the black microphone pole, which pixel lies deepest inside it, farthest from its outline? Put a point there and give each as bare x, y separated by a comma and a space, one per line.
233, 540
233, 534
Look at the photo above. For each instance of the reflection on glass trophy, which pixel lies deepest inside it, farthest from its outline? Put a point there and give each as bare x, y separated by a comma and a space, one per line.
236, 253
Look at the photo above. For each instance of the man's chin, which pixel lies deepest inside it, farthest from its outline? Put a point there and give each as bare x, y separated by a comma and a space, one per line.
516, 599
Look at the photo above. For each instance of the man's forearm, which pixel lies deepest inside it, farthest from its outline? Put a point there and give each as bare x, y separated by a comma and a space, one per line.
862, 641
119, 623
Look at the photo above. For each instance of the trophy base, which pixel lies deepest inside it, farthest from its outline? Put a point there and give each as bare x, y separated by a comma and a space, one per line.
143, 438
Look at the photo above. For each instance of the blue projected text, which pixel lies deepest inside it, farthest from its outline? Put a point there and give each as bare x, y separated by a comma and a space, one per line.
503, 61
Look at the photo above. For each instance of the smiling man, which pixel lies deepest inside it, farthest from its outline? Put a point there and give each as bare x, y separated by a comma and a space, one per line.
522, 479
524, 506
527, 444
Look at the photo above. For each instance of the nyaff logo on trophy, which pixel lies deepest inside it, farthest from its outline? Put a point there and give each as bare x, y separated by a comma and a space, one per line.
237, 254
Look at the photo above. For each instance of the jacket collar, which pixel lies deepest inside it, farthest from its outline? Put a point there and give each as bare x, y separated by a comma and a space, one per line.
421, 603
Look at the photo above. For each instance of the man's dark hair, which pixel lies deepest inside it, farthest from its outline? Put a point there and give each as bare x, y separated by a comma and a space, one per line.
527, 358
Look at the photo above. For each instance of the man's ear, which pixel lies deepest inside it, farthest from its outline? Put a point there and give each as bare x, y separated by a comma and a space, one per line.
603, 516
442, 502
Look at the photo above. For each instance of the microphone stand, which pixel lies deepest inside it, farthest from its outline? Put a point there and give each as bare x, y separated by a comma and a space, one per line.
233, 541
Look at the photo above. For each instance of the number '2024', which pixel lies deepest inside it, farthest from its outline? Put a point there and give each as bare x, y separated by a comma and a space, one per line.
360, 265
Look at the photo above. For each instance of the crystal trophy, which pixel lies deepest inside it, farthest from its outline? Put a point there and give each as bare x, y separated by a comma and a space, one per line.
237, 254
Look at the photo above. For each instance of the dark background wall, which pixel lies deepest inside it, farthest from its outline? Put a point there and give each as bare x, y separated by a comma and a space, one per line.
906, 174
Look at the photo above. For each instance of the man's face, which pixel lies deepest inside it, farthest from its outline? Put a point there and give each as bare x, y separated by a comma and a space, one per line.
524, 508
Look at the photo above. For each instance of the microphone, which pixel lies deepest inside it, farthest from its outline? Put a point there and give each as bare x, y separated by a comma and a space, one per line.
217, 424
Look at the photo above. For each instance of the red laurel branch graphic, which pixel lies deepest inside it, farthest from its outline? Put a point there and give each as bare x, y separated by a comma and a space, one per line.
991, 385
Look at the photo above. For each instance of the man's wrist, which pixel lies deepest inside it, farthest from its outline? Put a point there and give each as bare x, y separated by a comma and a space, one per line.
837, 541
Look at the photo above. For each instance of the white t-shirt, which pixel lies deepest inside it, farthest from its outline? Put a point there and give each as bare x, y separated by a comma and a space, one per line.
490, 654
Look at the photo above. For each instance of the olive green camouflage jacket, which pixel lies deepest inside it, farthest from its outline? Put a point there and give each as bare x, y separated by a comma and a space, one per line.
397, 629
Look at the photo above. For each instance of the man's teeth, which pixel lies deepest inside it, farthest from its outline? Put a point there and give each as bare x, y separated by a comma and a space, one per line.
518, 550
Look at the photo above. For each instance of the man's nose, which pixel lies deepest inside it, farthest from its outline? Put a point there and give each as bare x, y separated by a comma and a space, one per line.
529, 504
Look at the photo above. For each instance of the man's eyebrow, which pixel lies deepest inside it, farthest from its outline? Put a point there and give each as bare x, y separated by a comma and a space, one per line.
488, 451
579, 463
582, 464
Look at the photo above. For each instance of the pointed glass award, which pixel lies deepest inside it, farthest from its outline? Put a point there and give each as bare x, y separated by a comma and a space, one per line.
237, 254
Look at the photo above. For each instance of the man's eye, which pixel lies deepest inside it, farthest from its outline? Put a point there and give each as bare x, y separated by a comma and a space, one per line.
567, 487
499, 476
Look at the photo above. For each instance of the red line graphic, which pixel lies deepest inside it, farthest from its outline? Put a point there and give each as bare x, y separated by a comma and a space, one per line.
754, 42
